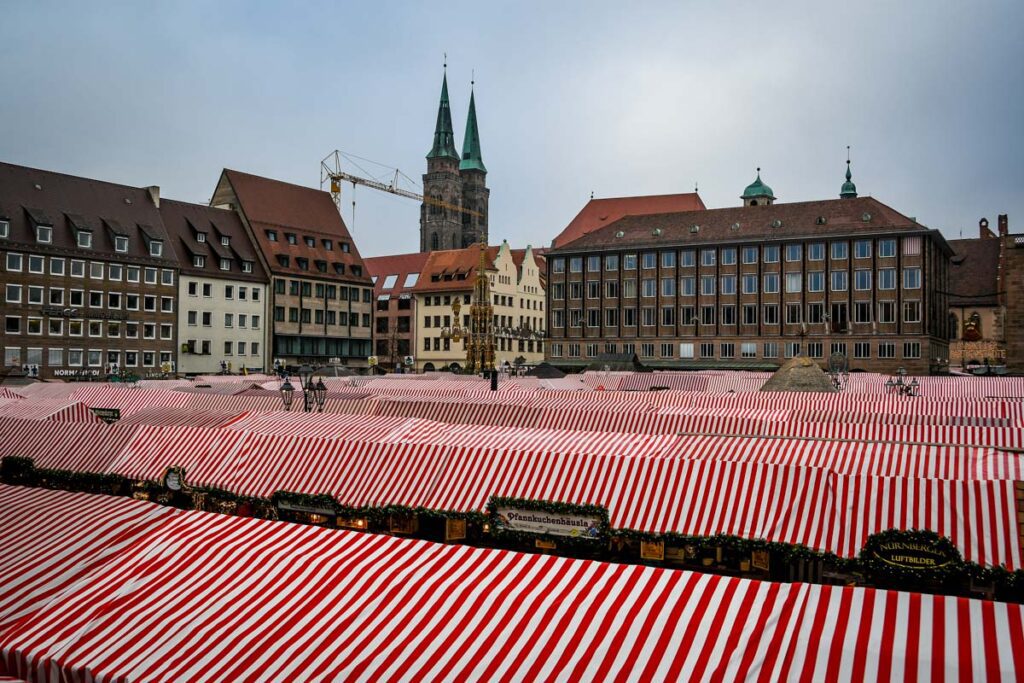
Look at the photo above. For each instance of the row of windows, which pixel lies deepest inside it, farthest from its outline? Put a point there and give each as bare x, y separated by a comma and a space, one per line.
243, 320
299, 288
111, 329
244, 293
83, 238
321, 317
76, 358
231, 348
727, 350
199, 261
292, 238
811, 281
727, 256
503, 344
836, 315
115, 272
77, 298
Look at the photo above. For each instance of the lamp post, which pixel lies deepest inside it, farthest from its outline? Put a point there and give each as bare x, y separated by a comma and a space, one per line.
899, 385
313, 393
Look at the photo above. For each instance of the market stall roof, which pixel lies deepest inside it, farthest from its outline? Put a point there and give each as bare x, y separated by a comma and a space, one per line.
142, 592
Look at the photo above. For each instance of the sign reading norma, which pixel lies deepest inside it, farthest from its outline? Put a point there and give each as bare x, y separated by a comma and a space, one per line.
107, 414
548, 519
913, 553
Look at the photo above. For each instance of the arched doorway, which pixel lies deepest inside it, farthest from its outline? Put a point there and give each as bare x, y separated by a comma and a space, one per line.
429, 367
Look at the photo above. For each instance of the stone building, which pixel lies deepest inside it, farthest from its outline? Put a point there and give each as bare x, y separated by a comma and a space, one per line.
89, 276
454, 213
320, 296
978, 297
762, 282
517, 291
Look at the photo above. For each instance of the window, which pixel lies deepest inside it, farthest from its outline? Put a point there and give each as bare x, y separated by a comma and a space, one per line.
167, 277
792, 314
771, 253
911, 349
911, 311
650, 260
886, 248
84, 239
749, 284
227, 348
56, 266
55, 358
861, 350
131, 273
687, 315
668, 259
78, 298
862, 249
149, 330
114, 330
575, 290
887, 278
78, 269
911, 246
593, 264
687, 258
207, 318
149, 303
13, 295
749, 255
114, 272
792, 349
150, 276
13, 262
271, 235
668, 286
254, 322
729, 256
686, 350
815, 313
687, 285
771, 314
650, 287
56, 296
611, 262
707, 350
749, 314
707, 285
793, 252
593, 317
593, 289
611, 317
611, 289
748, 350
816, 251
5, 229
156, 248
36, 264
911, 278
576, 264
887, 350
193, 317
225, 263
839, 251
629, 262
862, 280
668, 315
770, 350
886, 311
728, 350
201, 236
839, 280
707, 315
558, 265
793, 283
120, 244
815, 350
771, 283
707, 257
95, 270
12, 324
728, 315
862, 312
816, 281
728, 284
95, 328
113, 300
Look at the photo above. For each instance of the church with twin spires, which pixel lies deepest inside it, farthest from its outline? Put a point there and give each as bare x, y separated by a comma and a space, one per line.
454, 212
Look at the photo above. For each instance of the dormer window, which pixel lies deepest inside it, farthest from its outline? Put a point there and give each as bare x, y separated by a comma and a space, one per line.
5, 229
357, 270
321, 266
84, 239
302, 263
200, 237
156, 248
225, 241
328, 244
199, 261
310, 241
290, 236
246, 266
44, 234
225, 264
345, 247
339, 268
272, 235
282, 260
121, 244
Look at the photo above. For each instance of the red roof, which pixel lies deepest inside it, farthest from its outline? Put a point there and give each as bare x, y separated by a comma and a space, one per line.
401, 265
452, 269
601, 212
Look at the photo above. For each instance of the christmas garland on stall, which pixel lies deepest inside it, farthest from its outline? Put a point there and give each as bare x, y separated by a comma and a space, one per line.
595, 540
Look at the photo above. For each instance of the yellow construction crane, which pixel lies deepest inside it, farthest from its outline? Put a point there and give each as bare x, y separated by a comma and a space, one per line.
331, 171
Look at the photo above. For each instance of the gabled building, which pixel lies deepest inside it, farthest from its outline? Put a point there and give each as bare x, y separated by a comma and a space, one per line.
89, 277
394, 282
762, 282
222, 291
320, 296
978, 296
517, 292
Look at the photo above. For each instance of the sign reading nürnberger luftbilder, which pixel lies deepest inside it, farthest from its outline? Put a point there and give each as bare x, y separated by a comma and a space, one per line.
541, 522
909, 553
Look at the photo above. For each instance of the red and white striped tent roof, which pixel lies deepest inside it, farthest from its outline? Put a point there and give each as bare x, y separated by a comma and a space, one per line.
48, 410
95, 588
7, 393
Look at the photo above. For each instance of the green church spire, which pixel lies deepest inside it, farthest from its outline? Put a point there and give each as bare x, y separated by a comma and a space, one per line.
472, 160
444, 137
849, 190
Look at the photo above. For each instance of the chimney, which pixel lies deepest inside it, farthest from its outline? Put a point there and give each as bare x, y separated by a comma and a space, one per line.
1004, 225
154, 194
983, 231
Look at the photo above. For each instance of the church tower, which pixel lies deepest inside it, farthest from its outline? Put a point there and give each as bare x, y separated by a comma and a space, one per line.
474, 178
440, 223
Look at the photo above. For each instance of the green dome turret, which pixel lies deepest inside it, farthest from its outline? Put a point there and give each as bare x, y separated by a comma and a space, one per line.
849, 190
757, 193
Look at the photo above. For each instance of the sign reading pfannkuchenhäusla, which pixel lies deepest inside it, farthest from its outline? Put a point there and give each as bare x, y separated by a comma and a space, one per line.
551, 523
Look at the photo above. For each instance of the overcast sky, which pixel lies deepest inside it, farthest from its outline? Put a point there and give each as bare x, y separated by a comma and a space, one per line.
618, 98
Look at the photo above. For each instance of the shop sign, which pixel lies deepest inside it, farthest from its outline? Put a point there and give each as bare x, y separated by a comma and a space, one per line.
545, 544
911, 551
675, 554
308, 509
760, 559
108, 415
552, 523
454, 529
82, 372
652, 550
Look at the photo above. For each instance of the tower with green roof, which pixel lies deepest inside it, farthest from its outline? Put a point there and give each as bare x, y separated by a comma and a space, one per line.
848, 190
757, 193
475, 194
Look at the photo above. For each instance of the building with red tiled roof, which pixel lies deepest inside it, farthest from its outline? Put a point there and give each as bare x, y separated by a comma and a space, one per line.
320, 292
598, 213
394, 332
443, 297
758, 283
977, 296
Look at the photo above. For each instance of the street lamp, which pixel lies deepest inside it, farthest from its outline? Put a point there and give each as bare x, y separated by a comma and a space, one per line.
313, 393
899, 385
287, 392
